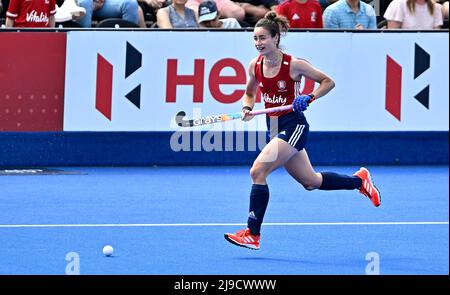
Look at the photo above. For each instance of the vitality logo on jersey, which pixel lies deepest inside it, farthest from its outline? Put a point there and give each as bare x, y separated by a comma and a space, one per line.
278, 99
32, 17
394, 81
103, 97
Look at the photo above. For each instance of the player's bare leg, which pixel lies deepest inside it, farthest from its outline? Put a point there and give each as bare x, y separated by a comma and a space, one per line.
300, 168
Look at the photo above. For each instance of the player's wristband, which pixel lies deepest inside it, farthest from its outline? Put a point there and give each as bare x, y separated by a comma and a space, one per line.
313, 98
247, 108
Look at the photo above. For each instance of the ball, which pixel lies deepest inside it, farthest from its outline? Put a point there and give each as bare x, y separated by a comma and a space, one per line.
108, 250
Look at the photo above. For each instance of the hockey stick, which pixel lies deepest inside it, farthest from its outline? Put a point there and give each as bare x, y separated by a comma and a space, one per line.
182, 122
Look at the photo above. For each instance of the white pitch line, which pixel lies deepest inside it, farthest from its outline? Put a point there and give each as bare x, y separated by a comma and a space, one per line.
225, 224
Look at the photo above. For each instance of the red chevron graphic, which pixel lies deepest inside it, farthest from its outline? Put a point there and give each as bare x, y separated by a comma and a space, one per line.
103, 97
393, 87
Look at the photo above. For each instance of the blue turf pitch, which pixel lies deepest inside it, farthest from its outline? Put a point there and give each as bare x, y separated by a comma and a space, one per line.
171, 220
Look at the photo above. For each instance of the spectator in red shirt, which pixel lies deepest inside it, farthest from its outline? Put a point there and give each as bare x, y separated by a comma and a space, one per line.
302, 13
31, 14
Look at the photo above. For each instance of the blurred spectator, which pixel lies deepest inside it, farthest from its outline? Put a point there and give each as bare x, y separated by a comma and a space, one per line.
445, 10
302, 13
150, 8
413, 14
324, 3
209, 17
125, 9
349, 14
176, 15
256, 9
227, 8
68, 10
1, 7
34, 14
141, 17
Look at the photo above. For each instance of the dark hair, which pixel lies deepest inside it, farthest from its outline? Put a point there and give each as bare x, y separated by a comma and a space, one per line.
275, 24
412, 6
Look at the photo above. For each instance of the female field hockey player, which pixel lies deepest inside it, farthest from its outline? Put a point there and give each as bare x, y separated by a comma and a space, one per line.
278, 76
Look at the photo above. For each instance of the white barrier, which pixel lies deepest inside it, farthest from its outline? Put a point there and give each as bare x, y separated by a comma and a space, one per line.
356, 61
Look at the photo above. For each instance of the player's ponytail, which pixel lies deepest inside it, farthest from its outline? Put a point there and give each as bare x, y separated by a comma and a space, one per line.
275, 24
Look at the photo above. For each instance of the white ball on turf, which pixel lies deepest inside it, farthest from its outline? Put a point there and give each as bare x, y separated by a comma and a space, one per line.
108, 250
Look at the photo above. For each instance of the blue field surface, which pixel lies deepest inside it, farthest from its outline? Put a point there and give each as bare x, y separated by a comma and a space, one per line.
171, 220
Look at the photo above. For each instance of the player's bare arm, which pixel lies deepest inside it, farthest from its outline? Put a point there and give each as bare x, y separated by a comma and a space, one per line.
303, 68
248, 100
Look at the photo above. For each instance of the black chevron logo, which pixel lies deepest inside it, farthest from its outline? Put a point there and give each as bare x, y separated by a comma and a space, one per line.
421, 64
424, 96
421, 61
135, 96
133, 61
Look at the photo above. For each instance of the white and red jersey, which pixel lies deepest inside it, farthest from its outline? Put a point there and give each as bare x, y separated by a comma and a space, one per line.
302, 15
279, 90
31, 13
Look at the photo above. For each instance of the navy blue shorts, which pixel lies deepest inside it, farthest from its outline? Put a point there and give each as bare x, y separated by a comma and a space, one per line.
292, 128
